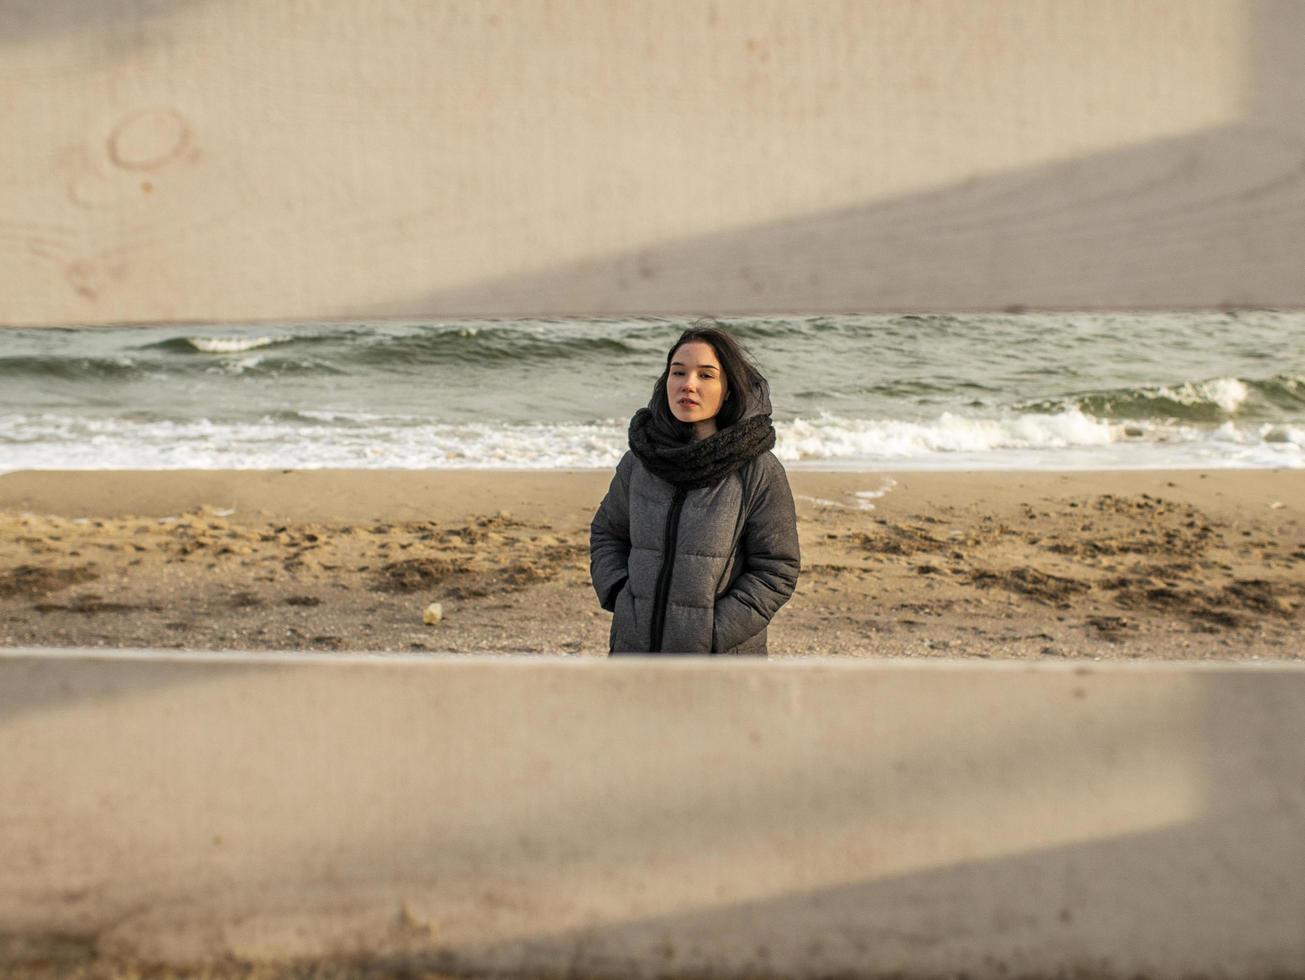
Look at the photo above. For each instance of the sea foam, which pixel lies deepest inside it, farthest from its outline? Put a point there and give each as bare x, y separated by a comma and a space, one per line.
1227, 393
1050, 391
323, 439
232, 345
830, 437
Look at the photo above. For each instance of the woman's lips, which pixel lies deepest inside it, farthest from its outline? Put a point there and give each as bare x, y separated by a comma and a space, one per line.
689, 402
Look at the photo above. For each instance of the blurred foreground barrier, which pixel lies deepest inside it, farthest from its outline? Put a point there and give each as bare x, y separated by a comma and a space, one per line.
638, 819
185, 160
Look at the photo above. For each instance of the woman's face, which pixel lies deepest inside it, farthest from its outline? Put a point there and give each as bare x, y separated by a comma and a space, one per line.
695, 386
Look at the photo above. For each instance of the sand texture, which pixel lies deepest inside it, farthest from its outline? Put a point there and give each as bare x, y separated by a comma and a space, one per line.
1111, 565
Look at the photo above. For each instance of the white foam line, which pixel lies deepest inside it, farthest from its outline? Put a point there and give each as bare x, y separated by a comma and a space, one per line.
865, 496
232, 345
822, 502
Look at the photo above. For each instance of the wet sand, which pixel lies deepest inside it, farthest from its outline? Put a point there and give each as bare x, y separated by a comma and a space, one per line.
1183, 564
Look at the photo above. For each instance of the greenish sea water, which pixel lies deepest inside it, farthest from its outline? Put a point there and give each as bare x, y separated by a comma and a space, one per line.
862, 392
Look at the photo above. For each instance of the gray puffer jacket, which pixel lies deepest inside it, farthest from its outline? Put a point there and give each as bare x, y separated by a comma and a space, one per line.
733, 558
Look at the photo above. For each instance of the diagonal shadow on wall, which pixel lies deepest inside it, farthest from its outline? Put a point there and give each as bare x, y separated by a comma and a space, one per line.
1214, 217
1216, 894
24, 21
1219, 893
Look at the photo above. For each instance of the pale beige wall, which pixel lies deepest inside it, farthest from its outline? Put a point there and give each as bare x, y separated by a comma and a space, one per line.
233, 159
797, 818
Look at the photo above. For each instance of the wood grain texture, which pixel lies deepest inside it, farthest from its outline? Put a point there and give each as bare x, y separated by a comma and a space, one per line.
537, 816
204, 160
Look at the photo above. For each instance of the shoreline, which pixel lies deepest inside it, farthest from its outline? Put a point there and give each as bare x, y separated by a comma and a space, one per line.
1168, 564
363, 494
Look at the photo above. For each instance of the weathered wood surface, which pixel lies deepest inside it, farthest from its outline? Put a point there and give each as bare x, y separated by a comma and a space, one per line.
197, 160
584, 817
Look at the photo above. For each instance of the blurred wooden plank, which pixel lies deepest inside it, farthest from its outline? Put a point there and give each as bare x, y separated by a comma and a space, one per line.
644, 818
205, 160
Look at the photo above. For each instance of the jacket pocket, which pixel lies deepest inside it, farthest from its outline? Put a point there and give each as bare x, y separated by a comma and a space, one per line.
622, 618
614, 593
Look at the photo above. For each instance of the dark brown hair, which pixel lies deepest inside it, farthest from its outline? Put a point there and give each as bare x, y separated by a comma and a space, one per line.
741, 376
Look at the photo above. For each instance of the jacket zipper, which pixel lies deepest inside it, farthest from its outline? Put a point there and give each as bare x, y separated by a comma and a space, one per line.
662, 595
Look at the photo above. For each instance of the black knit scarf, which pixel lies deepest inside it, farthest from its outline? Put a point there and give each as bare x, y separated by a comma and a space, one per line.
690, 465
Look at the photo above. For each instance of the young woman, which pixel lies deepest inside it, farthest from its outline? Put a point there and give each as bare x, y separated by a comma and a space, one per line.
695, 546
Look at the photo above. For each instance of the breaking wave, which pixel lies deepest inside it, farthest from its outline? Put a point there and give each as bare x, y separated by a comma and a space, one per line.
352, 440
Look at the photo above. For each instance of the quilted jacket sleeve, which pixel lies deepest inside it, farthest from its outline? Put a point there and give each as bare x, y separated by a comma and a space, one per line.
769, 550
609, 538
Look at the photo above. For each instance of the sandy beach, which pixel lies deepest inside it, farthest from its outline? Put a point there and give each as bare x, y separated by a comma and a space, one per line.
1180, 564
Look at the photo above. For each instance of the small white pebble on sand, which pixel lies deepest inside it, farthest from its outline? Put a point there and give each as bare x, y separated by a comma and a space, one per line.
432, 614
